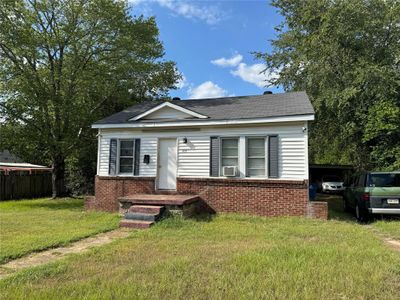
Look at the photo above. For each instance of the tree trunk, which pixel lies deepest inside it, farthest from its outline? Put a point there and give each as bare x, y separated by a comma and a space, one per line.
58, 176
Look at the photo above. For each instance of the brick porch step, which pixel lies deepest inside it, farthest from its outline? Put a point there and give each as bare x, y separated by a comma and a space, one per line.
135, 224
146, 209
157, 199
142, 217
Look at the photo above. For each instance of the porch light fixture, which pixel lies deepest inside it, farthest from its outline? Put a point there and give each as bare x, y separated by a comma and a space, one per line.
185, 140
146, 159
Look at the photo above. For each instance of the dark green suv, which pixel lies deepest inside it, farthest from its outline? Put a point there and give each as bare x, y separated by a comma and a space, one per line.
371, 193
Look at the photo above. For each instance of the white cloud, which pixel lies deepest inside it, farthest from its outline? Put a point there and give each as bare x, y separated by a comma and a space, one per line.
254, 74
182, 82
207, 89
228, 62
210, 14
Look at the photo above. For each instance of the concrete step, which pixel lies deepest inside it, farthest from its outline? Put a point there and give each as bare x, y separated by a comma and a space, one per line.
146, 209
142, 216
135, 224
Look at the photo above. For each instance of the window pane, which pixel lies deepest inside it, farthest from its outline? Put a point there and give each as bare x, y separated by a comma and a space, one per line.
256, 142
256, 163
126, 165
230, 143
254, 173
256, 147
229, 152
126, 148
256, 152
255, 157
228, 162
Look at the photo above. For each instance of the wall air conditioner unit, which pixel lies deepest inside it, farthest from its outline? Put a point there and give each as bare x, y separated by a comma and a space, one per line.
229, 171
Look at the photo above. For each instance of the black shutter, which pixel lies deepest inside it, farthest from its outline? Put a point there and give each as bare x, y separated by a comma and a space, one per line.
273, 156
112, 164
214, 156
137, 157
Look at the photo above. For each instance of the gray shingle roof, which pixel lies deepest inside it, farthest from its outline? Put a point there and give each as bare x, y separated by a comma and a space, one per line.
228, 108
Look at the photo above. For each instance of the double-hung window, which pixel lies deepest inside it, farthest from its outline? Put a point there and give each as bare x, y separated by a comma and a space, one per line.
255, 157
229, 153
126, 156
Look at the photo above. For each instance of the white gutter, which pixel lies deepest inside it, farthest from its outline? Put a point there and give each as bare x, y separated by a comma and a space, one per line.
309, 117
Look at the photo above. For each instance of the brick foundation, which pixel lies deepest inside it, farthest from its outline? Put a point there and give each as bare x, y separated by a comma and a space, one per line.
249, 196
109, 189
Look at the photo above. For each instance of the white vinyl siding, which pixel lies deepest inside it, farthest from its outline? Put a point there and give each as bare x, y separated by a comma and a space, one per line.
194, 157
148, 146
293, 162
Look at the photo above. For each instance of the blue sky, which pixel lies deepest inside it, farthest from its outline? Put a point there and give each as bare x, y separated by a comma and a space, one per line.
212, 41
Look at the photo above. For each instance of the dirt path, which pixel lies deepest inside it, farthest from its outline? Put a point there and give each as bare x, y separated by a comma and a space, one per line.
54, 254
392, 243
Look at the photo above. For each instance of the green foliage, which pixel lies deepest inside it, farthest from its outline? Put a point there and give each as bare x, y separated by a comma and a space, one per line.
346, 55
65, 64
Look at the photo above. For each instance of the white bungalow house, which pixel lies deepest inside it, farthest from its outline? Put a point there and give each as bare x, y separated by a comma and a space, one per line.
244, 154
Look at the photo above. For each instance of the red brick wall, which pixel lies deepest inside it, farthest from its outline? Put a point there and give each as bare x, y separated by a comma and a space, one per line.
109, 189
317, 210
261, 197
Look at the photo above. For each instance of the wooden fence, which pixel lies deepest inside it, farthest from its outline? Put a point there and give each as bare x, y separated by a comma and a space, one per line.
17, 186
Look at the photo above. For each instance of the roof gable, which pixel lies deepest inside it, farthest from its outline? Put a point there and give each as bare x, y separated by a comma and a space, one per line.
168, 111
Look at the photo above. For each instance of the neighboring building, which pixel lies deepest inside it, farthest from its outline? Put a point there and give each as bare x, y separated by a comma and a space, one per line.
238, 154
7, 157
22, 168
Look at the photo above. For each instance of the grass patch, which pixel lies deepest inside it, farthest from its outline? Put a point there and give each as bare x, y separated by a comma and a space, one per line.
31, 225
386, 225
389, 227
229, 256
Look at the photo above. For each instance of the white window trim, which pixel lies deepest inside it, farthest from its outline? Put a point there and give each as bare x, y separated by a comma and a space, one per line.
168, 104
242, 155
119, 157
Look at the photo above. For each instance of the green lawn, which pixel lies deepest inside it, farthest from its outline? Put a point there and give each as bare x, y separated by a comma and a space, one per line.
229, 256
31, 225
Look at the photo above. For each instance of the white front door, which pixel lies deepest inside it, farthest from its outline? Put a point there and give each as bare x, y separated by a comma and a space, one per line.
167, 165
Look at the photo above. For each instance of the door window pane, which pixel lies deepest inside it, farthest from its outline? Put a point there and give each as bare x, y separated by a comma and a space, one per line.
256, 157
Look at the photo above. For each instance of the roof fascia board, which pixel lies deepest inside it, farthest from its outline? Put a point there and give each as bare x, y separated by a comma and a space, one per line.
171, 105
308, 117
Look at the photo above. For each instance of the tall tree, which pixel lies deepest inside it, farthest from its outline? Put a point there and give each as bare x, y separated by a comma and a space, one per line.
66, 63
346, 55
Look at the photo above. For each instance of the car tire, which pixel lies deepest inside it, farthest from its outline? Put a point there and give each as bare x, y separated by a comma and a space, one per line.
361, 215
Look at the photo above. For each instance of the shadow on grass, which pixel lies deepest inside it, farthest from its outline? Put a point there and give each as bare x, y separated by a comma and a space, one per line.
335, 207
203, 217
